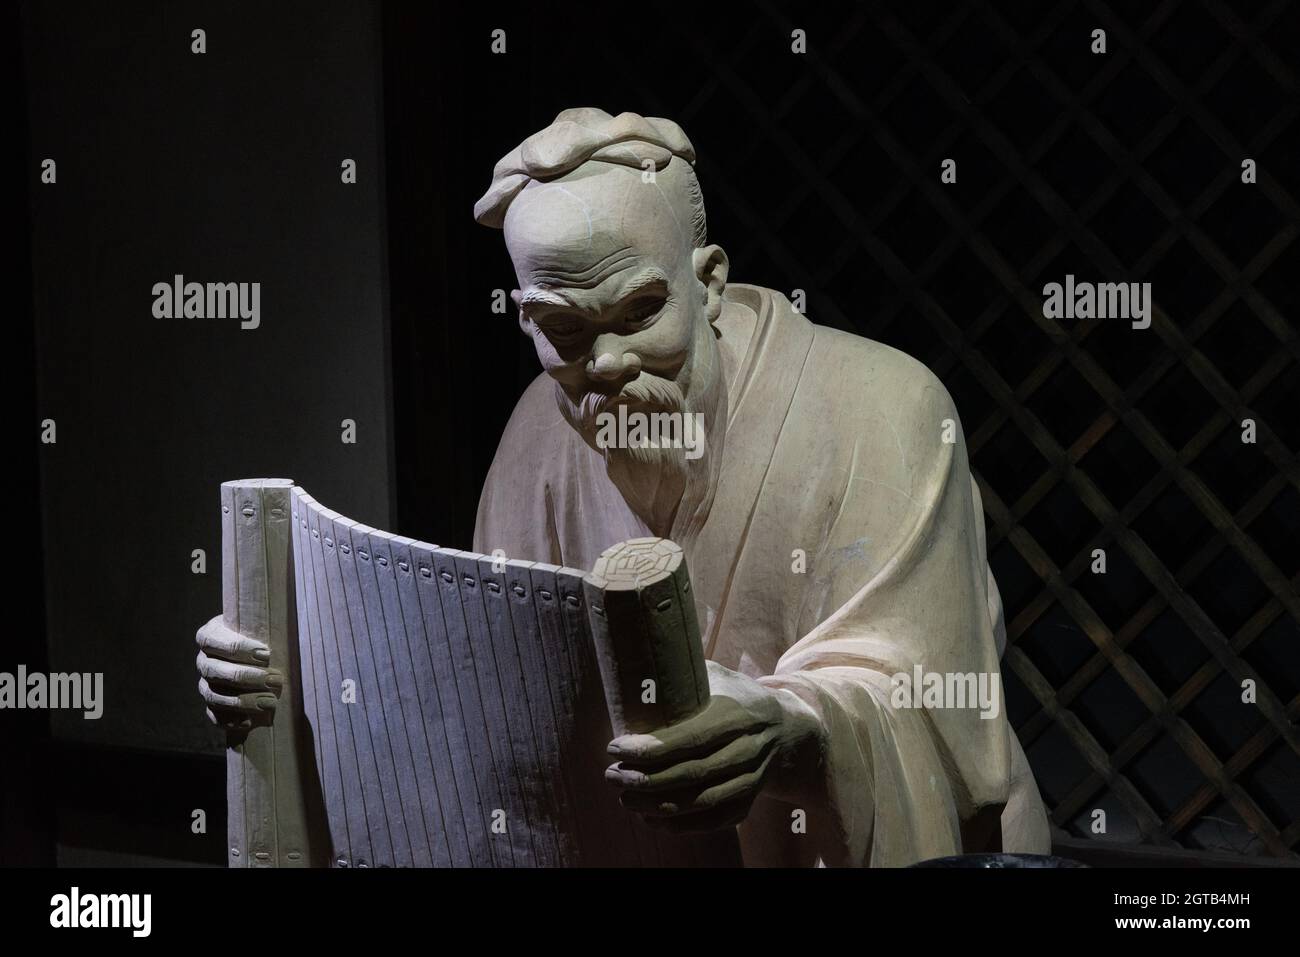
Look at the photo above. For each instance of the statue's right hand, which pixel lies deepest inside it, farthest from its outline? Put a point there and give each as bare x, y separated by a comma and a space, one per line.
234, 679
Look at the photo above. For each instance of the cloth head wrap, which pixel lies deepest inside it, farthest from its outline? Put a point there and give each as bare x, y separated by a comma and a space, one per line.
577, 137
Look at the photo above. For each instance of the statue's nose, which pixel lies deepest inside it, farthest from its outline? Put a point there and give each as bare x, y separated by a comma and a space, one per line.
608, 367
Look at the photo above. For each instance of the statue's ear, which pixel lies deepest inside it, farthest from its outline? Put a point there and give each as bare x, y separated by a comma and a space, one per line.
711, 266
525, 326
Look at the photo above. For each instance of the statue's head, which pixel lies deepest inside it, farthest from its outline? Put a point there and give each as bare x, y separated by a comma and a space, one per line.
604, 220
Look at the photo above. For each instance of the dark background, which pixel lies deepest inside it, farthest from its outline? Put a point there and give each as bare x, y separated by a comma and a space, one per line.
820, 172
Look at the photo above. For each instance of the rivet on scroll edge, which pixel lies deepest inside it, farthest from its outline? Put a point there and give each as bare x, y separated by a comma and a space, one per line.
664, 605
345, 548
404, 566
572, 600
363, 555
446, 576
262, 856
686, 586
315, 533
546, 596
329, 542
383, 562
598, 610
248, 511
225, 510
518, 590
493, 587
426, 571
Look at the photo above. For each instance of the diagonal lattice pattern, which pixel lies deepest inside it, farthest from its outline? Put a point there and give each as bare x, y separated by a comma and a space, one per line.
1126, 687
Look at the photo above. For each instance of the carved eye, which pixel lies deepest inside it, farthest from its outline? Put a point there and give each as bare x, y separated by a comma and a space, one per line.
563, 326
642, 310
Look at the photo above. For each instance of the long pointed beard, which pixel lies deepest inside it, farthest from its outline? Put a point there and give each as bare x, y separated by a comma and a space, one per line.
646, 394
651, 477
656, 479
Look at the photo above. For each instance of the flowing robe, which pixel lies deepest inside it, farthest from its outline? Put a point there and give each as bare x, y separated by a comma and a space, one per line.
850, 454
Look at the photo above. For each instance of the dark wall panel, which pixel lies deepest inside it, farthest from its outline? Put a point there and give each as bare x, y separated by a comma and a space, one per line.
222, 167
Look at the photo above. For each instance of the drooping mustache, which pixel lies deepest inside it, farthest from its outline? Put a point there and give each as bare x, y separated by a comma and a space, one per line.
646, 391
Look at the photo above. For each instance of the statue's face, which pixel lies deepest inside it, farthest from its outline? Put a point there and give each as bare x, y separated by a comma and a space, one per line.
607, 289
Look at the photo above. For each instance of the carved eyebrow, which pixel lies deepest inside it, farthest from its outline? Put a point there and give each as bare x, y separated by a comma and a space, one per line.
555, 298
649, 277
544, 297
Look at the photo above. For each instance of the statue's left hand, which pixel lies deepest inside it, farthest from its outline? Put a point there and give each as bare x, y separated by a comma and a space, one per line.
705, 772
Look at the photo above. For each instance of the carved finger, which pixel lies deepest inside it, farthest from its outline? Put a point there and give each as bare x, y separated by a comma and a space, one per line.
712, 819
240, 677
215, 638
720, 723
256, 703
682, 803
742, 787
231, 722
743, 754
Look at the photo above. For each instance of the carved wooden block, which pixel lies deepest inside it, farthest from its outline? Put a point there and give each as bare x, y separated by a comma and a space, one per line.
646, 635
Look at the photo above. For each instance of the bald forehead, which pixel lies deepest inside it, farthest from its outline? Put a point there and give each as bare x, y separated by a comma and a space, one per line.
598, 214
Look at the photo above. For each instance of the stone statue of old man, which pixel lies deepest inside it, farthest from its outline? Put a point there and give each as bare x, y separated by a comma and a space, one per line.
831, 526
818, 486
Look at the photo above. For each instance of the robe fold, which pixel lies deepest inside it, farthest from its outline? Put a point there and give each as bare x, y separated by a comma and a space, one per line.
844, 546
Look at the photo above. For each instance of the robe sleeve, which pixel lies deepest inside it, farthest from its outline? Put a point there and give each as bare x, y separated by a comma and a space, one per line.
900, 780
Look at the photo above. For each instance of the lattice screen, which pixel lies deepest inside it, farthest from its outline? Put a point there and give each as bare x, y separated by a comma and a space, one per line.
1125, 687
